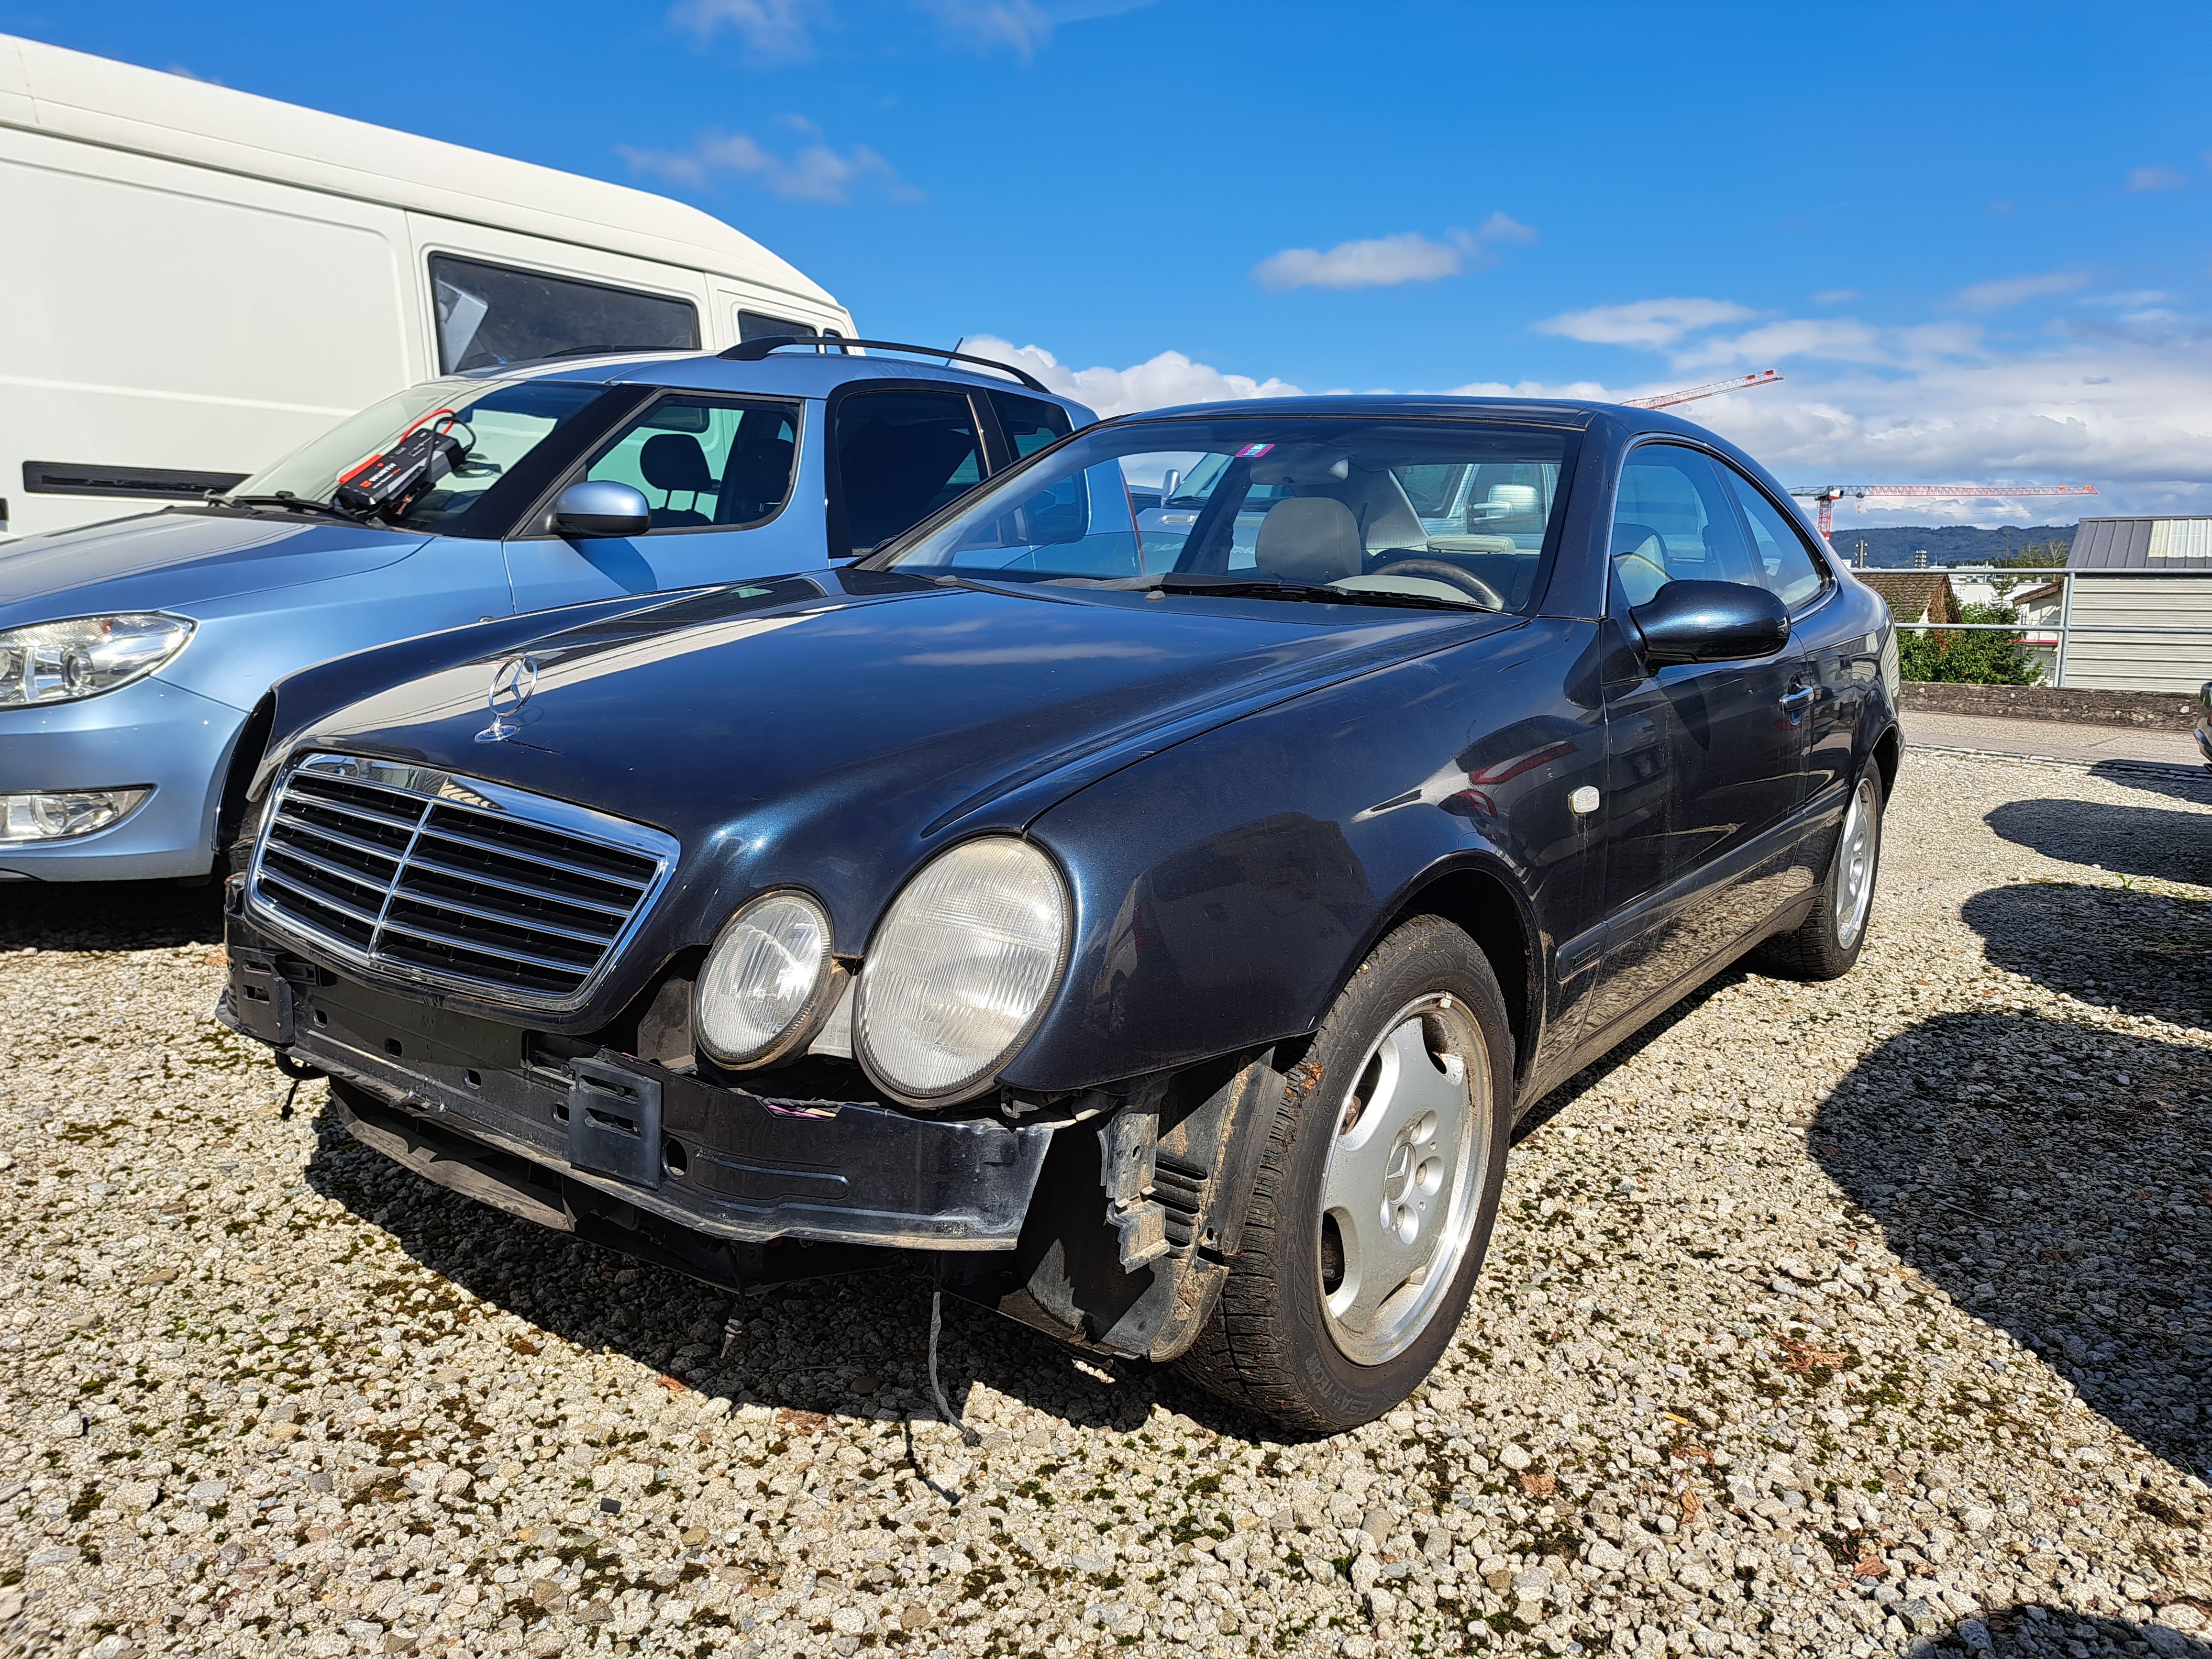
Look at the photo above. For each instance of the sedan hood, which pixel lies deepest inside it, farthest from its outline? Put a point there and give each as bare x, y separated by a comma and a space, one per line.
175, 561
827, 731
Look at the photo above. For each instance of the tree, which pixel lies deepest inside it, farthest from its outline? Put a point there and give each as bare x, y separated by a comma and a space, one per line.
1977, 658
2030, 556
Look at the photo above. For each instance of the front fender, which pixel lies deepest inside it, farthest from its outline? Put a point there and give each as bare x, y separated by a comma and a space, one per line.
1225, 889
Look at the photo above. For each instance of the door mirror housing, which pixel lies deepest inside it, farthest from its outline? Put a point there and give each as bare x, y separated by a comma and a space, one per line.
1711, 621
600, 507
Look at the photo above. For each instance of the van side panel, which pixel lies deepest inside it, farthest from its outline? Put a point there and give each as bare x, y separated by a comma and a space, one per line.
158, 315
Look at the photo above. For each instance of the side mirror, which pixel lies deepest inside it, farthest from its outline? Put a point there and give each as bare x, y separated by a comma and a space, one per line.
1711, 621
1170, 484
600, 507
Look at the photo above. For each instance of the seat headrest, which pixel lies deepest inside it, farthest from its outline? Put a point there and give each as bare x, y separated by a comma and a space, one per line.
1308, 538
673, 460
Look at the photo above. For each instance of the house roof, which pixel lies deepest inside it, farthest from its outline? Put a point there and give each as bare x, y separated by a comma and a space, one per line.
2161, 543
1914, 594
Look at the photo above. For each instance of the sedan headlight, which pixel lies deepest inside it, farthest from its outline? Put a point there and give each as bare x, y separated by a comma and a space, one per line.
960, 969
62, 662
765, 980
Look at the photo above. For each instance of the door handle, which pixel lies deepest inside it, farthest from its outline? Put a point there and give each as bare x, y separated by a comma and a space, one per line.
1798, 698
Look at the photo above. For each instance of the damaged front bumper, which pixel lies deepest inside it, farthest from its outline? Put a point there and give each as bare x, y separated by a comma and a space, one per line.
734, 1166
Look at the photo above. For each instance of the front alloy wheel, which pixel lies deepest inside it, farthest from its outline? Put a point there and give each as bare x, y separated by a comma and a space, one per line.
1377, 1192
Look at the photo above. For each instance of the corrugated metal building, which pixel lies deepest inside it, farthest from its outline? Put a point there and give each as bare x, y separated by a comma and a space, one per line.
2173, 589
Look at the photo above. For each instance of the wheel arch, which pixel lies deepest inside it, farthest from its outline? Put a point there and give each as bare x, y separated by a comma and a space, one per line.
1485, 902
1889, 755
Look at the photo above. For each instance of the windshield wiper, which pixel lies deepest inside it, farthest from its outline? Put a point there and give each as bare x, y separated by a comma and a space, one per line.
286, 500
1263, 588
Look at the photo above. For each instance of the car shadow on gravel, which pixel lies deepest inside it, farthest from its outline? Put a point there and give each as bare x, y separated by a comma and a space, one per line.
853, 1345
108, 915
2158, 841
2031, 1629
2053, 1179
2171, 780
2140, 952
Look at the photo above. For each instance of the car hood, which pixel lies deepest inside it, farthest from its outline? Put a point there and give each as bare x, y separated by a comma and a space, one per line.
828, 731
177, 561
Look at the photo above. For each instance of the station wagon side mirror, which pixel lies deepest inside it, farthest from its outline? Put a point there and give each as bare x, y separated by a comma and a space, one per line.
1711, 621
600, 507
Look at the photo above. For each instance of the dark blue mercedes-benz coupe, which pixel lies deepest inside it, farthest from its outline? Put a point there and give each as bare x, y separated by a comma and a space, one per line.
1151, 924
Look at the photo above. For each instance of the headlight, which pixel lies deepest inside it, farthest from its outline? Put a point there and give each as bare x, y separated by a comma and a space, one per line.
961, 968
62, 661
768, 970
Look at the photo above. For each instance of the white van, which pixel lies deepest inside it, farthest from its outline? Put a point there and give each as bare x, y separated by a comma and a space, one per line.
198, 281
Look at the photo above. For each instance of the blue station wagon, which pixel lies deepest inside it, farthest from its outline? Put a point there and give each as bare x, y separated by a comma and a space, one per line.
137, 657
1151, 918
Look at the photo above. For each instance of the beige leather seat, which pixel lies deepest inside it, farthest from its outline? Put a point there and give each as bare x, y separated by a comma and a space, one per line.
1308, 538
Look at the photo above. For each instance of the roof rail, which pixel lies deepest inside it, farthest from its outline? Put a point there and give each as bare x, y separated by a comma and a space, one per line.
753, 351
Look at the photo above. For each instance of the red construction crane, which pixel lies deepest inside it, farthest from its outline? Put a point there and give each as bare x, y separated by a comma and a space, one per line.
1829, 495
1711, 388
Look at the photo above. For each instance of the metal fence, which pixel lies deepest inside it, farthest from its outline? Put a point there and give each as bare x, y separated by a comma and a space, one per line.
2057, 634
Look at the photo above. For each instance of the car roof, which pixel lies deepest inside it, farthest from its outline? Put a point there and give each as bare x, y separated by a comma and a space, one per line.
789, 373
1546, 411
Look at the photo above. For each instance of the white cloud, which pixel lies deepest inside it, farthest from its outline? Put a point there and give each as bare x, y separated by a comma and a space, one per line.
1648, 323
777, 29
1025, 26
1158, 382
2011, 290
815, 172
1386, 261
2156, 177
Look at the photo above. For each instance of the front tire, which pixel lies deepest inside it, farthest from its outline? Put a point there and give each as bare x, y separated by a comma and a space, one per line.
1376, 1194
1827, 943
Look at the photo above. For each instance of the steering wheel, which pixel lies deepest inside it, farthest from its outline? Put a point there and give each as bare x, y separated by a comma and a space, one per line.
1450, 575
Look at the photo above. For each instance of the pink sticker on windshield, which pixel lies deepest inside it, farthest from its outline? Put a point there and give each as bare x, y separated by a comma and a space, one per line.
1252, 451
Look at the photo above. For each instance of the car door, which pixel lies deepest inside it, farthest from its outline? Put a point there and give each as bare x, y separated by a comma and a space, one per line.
1842, 667
717, 472
1706, 761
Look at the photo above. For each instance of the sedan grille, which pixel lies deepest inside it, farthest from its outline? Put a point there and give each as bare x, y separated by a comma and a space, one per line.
451, 881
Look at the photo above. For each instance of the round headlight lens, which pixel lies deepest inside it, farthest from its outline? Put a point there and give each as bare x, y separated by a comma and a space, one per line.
961, 967
767, 967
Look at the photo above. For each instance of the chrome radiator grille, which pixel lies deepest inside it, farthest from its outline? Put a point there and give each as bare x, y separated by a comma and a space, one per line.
510, 896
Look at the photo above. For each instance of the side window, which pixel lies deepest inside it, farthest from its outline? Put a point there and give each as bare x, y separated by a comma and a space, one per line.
901, 455
706, 463
758, 325
1030, 423
490, 314
1788, 567
1673, 520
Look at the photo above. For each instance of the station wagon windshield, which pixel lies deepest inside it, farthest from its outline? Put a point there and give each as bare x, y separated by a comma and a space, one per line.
1443, 512
497, 423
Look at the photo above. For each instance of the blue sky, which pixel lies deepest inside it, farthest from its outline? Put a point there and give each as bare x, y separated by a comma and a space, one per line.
1974, 239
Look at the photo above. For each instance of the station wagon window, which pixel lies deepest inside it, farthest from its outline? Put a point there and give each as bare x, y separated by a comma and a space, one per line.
901, 456
1790, 568
1673, 520
706, 463
492, 314
1337, 502
1030, 423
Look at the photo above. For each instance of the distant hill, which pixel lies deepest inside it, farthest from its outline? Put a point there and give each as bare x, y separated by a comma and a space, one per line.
1891, 547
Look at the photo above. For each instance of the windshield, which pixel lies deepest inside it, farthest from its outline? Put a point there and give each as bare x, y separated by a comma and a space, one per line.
495, 423
1453, 511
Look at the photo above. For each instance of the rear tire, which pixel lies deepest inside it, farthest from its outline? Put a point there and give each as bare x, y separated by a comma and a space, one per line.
1341, 1298
1827, 943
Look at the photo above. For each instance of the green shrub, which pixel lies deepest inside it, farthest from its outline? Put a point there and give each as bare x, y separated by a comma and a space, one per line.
1977, 658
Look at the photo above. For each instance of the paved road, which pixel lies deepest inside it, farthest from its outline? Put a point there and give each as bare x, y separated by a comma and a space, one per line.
2051, 740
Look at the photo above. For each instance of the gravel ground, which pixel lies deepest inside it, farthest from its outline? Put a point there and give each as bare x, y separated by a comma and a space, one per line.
1863, 1317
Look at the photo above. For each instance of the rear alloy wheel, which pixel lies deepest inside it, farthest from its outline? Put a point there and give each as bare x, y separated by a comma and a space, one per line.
1827, 943
1377, 1194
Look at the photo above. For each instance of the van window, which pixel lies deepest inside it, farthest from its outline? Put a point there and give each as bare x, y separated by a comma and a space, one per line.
491, 314
705, 462
759, 325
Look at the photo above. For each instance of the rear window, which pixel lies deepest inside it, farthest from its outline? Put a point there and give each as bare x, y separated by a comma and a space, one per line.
493, 314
